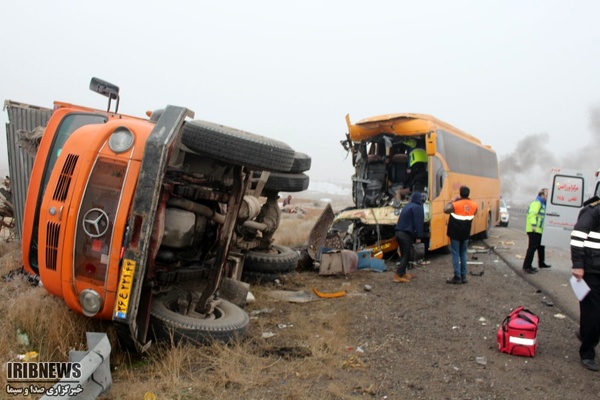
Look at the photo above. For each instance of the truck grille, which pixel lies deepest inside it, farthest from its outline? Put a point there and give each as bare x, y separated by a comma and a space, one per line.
52, 235
64, 181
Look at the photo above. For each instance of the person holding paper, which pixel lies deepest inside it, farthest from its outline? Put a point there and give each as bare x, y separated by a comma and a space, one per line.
585, 256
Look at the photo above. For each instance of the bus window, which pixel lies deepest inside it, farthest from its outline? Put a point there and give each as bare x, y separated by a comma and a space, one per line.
439, 176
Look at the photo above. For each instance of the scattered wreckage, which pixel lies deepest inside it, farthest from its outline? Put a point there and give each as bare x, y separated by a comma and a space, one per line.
149, 222
7, 217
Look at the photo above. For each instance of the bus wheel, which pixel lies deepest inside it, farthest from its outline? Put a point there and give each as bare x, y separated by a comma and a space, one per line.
227, 322
486, 234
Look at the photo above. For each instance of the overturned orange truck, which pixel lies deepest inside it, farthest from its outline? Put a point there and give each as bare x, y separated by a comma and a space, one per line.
142, 220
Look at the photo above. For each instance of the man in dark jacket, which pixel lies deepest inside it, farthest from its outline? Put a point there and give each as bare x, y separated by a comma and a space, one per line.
585, 256
462, 210
409, 230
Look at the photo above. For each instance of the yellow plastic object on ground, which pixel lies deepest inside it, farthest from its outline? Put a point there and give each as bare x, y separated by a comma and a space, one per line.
329, 295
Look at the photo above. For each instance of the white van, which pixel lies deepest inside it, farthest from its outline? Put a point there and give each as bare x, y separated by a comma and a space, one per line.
566, 195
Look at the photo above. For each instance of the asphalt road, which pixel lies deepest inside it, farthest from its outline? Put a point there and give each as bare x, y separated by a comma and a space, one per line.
510, 244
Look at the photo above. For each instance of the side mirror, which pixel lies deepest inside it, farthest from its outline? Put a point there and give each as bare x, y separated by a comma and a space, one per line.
430, 143
106, 89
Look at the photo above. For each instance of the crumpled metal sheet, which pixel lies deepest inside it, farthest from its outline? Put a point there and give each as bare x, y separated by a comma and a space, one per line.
318, 233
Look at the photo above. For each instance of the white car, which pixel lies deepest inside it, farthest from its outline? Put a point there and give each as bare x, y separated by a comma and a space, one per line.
503, 213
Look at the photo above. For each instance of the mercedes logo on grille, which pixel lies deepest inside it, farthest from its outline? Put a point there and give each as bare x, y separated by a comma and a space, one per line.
95, 222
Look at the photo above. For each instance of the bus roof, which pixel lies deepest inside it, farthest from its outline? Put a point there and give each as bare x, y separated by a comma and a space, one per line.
406, 124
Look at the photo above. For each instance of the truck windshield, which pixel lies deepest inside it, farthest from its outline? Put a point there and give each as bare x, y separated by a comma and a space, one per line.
68, 125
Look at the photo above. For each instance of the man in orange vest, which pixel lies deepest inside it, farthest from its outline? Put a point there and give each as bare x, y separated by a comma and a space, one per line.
462, 210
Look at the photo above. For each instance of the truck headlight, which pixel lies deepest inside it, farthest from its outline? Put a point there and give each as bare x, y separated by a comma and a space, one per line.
121, 140
91, 302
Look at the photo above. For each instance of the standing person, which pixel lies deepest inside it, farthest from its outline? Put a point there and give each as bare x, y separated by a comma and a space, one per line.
288, 200
462, 210
585, 256
534, 228
416, 180
409, 230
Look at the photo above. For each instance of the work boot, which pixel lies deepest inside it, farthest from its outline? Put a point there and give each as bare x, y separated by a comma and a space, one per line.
408, 276
590, 364
400, 278
455, 280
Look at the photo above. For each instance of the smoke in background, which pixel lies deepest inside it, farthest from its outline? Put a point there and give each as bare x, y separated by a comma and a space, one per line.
527, 169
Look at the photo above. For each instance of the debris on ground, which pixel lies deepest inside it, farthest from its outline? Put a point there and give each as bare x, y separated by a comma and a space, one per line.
299, 296
333, 295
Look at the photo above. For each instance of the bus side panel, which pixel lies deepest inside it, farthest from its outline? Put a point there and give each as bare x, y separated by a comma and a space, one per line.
439, 225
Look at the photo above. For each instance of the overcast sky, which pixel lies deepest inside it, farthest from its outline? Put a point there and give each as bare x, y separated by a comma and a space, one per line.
500, 70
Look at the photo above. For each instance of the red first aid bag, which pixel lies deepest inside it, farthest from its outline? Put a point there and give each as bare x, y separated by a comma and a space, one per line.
518, 333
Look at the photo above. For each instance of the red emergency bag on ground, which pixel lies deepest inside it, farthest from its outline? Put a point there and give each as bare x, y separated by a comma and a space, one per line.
518, 333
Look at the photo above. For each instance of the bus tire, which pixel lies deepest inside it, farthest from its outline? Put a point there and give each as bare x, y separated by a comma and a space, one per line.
227, 322
486, 233
237, 147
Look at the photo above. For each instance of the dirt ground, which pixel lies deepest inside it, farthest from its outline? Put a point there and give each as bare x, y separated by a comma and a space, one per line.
431, 340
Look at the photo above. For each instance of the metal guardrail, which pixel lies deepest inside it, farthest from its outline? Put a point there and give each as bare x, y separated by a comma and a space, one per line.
95, 371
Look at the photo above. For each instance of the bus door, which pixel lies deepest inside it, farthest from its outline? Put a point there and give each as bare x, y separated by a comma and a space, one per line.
566, 195
439, 195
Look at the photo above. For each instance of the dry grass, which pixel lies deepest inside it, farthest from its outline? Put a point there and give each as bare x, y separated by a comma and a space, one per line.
301, 361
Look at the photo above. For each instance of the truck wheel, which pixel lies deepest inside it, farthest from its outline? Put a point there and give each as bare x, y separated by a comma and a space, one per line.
274, 260
301, 163
237, 147
282, 182
227, 322
261, 277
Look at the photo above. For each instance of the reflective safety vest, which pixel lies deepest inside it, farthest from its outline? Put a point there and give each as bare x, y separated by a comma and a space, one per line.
535, 216
461, 219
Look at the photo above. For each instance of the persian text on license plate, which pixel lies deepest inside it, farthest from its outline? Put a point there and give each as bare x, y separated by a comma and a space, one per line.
124, 289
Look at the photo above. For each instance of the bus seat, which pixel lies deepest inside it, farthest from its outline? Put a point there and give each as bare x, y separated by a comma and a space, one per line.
374, 158
398, 167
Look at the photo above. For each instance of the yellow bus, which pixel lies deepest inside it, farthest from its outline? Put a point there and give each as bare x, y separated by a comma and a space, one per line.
386, 151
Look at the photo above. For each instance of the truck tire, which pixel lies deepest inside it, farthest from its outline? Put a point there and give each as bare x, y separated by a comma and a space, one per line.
276, 260
282, 182
237, 147
261, 277
228, 321
301, 163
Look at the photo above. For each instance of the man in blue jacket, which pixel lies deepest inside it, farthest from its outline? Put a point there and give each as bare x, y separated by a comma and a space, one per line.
409, 230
